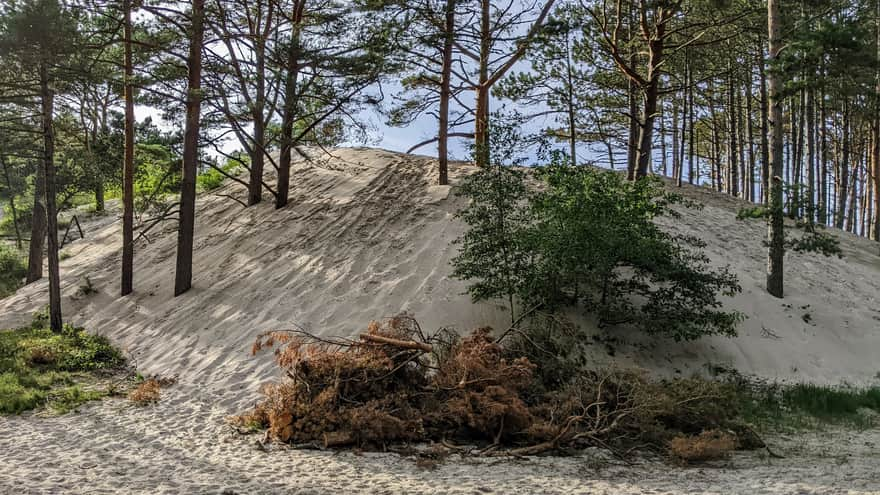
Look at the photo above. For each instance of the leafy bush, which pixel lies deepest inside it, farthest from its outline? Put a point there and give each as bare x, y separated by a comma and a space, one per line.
12, 270
587, 238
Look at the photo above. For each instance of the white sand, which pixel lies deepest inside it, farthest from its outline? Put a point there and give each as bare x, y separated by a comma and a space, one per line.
367, 236
180, 446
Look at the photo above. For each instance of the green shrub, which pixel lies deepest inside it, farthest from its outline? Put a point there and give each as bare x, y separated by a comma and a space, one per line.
12, 270
587, 238
212, 178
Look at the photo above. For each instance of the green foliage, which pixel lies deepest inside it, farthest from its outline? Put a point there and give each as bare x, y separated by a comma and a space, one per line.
12, 270
752, 212
828, 403
587, 238
212, 178
39, 367
815, 241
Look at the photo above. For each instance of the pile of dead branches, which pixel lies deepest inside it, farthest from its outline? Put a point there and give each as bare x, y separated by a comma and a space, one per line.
395, 384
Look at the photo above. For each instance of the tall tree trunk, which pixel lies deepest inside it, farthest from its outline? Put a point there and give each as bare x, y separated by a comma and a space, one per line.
47, 97
38, 227
186, 229
690, 125
651, 97
765, 130
288, 114
12, 209
843, 176
775, 232
128, 162
676, 163
446, 91
751, 136
822, 202
811, 158
733, 186
258, 150
481, 124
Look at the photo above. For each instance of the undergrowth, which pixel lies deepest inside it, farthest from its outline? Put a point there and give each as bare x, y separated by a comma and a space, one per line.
39, 368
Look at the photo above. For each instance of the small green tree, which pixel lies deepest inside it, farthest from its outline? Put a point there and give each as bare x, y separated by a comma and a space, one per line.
587, 238
493, 252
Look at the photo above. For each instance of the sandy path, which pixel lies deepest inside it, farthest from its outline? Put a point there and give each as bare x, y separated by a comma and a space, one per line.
182, 445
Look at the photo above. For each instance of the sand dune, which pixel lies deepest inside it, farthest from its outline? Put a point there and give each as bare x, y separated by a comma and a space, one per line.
367, 235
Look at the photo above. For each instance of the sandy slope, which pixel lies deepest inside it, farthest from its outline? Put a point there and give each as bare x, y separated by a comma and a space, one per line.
367, 236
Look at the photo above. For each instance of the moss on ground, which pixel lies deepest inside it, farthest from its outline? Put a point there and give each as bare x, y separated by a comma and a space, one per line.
58, 372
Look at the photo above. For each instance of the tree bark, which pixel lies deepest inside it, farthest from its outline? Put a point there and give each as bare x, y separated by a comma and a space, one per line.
765, 131
186, 230
481, 125
446, 92
12, 209
288, 116
775, 232
128, 162
47, 97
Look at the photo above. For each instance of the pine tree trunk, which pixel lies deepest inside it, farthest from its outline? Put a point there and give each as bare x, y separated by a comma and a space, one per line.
750, 130
186, 229
765, 130
47, 97
481, 124
822, 202
733, 185
843, 176
775, 233
811, 158
446, 91
38, 227
12, 208
652, 96
128, 161
288, 113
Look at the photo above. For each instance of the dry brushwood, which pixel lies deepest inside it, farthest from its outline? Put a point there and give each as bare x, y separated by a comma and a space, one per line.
147, 392
710, 445
394, 384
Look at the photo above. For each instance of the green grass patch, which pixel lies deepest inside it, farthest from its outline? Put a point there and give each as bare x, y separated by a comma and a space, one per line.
39, 368
807, 406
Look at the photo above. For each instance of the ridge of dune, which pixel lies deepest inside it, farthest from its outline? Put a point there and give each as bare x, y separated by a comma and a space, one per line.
367, 235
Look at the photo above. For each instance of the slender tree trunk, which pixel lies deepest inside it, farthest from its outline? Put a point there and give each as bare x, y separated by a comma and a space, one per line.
751, 136
690, 122
765, 130
843, 177
733, 186
128, 162
47, 96
186, 230
288, 115
663, 157
481, 125
652, 95
676, 163
12, 209
811, 159
775, 232
38, 227
446, 91
258, 150
822, 202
